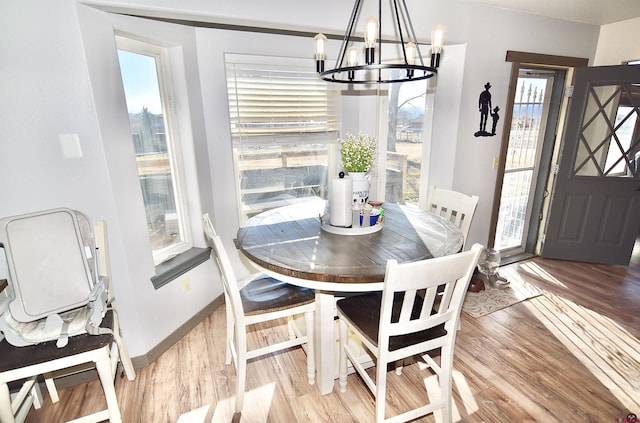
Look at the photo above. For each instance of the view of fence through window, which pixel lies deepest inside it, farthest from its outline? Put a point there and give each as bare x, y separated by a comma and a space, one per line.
283, 119
521, 161
405, 141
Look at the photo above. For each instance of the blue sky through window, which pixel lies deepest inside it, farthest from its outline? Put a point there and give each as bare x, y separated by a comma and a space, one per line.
140, 80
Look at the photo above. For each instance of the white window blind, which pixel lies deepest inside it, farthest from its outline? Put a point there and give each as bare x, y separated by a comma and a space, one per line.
282, 119
279, 101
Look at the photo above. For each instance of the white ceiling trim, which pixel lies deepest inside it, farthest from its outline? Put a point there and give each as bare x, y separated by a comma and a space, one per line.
596, 12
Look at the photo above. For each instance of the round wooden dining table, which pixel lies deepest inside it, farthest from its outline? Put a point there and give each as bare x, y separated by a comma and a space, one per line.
289, 243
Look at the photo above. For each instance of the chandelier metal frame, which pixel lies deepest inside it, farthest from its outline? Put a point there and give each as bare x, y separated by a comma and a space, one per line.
372, 71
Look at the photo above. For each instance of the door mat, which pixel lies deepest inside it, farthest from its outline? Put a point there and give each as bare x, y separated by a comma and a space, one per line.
479, 304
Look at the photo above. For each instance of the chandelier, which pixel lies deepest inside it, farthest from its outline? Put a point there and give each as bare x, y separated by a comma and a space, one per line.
410, 68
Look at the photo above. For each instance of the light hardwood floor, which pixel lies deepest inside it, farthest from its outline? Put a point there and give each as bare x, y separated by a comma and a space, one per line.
569, 355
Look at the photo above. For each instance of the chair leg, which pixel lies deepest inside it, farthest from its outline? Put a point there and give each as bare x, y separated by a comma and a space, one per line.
381, 391
343, 356
6, 412
399, 366
291, 330
125, 359
230, 332
51, 387
311, 357
106, 379
36, 394
446, 366
241, 369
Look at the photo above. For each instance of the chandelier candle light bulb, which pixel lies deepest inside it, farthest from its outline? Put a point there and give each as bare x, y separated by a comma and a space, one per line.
371, 27
437, 41
320, 42
352, 60
410, 53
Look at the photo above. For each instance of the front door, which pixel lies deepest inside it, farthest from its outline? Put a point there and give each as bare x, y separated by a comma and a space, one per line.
594, 214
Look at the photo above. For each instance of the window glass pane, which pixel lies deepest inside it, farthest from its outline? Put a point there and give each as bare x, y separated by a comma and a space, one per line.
528, 113
405, 139
609, 136
625, 122
283, 118
150, 138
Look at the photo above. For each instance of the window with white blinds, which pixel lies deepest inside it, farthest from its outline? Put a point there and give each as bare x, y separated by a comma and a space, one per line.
269, 101
282, 119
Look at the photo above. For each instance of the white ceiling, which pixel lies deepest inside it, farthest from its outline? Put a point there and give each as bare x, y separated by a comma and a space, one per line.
597, 12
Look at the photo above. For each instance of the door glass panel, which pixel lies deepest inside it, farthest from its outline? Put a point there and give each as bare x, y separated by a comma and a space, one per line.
530, 111
513, 209
609, 137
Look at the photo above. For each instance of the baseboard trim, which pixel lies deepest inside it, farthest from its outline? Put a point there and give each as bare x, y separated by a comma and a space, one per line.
85, 375
151, 356
516, 258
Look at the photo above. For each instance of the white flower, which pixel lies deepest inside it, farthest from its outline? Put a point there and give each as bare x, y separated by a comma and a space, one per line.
358, 153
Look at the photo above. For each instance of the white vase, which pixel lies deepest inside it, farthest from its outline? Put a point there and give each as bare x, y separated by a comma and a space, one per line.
360, 188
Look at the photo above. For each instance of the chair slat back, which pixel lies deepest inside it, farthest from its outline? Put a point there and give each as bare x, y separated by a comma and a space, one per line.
456, 207
229, 281
432, 293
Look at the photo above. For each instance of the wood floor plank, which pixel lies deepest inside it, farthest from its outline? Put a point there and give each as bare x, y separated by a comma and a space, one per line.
569, 355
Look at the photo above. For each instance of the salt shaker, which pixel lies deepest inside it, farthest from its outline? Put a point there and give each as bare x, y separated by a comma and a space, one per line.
355, 211
366, 215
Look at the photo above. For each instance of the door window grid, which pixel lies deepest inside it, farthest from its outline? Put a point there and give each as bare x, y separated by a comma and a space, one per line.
609, 137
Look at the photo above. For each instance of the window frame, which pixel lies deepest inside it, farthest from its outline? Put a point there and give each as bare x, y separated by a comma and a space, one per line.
174, 139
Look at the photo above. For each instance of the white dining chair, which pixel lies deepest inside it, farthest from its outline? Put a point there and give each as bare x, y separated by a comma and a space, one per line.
255, 299
456, 207
416, 314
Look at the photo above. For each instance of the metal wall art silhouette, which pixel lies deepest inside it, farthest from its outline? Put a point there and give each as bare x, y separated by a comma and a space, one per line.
485, 108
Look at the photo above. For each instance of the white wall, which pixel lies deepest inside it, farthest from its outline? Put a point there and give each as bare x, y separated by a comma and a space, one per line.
158, 312
60, 75
212, 46
618, 43
489, 34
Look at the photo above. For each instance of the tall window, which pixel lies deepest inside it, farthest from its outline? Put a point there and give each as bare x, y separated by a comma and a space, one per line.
283, 119
148, 92
406, 136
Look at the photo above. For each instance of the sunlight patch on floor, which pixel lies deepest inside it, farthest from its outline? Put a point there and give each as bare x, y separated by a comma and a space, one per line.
610, 353
468, 400
195, 416
257, 403
460, 384
537, 270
